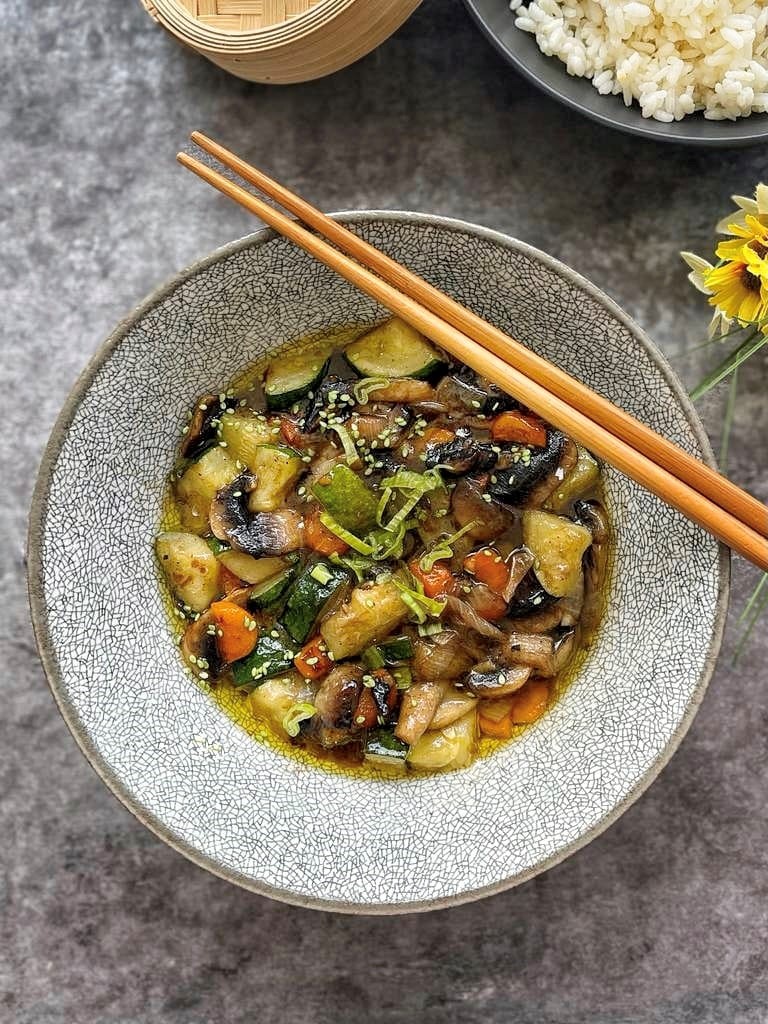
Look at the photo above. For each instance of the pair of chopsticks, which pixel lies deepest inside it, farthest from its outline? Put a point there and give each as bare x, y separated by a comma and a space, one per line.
693, 488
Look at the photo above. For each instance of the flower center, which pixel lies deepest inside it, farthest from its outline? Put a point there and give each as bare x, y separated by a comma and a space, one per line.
749, 280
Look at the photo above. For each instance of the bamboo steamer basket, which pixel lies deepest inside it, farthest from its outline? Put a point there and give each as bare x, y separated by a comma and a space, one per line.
281, 41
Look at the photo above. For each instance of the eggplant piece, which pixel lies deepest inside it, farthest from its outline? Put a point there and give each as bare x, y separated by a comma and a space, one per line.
464, 389
255, 533
332, 401
201, 430
529, 597
520, 469
487, 679
462, 455
469, 506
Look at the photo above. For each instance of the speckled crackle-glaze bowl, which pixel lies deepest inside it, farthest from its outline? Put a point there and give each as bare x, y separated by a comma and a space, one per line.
248, 812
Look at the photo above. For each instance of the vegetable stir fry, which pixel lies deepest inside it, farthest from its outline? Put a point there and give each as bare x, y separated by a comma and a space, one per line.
387, 554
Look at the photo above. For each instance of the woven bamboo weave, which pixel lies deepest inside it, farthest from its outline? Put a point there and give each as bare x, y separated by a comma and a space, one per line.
281, 41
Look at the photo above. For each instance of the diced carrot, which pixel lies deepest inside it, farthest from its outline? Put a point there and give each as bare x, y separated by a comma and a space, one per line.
236, 630
437, 581
228, 580
500, 729
489, 567
320, 538
366, 712
531, 702
312, 661
525, 428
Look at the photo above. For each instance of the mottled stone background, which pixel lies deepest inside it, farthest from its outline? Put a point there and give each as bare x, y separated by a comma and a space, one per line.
662, 919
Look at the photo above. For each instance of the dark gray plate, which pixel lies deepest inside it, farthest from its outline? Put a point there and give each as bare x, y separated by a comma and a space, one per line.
520, 49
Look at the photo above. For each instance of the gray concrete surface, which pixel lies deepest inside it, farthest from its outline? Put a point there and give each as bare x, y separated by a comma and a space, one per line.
664, 919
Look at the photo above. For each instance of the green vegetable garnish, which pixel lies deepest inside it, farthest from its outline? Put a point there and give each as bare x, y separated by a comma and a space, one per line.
295, 715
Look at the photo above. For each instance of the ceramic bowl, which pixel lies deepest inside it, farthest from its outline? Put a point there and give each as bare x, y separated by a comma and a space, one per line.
548, 73
247, 812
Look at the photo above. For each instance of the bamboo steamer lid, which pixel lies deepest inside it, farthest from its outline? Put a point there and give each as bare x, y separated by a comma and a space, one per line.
281, 41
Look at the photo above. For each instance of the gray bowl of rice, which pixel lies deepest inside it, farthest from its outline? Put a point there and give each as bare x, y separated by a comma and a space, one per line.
689, 71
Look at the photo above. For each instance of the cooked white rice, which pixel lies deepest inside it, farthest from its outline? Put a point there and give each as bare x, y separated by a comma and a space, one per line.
672, 56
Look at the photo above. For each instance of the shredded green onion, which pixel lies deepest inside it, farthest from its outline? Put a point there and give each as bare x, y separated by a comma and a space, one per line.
430, 628
363, 388
350, 452
295, 715
320, 573
373, 658
403, 677
357, 564
349, 538
444, 549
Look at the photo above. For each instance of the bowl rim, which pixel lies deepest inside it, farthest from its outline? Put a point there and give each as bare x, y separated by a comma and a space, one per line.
39, 613
653, 130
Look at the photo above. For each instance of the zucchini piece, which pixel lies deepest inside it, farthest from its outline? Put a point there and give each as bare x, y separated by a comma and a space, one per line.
309, 594
198, 486
385, 751
291, 377
243, 433
371, 613
396, 649
557, 545
272, 656
582, 478
250, 569
267, 594
393, 349
277, 469
190, 568
347, 499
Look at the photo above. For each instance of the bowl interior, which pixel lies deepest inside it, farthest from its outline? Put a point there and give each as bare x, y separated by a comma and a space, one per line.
244, 810
548, 73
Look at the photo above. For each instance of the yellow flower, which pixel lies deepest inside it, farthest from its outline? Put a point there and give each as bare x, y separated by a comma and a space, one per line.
757, 207
738, 291
753, 234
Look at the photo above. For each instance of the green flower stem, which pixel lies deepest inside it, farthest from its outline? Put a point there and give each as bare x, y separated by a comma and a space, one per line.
730, 409
747, 348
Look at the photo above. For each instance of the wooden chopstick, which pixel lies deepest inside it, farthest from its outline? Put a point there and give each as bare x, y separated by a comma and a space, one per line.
676, 492
665, 453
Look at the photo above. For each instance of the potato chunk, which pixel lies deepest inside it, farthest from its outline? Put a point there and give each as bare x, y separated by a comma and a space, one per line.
190, 567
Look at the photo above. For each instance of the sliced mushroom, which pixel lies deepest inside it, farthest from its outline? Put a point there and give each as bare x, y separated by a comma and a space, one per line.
443, 656
199, 648
335, 703
469, 505
519, 470
201, 429
462, 455
463, 389
256, 533
565, 645
386, 428
417, 710
592, 515
488, 679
